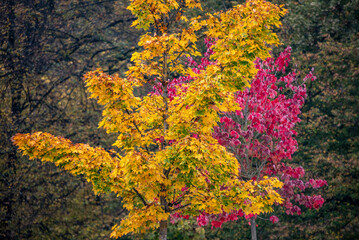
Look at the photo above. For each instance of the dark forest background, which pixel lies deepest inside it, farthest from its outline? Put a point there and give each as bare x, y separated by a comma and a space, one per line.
47, 45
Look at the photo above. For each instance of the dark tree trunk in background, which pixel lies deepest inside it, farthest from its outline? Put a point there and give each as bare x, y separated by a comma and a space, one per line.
10, 154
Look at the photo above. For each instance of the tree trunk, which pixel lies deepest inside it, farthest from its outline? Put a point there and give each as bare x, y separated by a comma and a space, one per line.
253, 229
163, 230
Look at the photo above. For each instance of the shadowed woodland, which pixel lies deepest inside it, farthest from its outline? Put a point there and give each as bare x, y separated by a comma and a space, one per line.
46, 46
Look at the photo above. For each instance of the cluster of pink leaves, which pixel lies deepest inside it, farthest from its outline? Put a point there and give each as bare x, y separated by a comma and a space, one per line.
261, 135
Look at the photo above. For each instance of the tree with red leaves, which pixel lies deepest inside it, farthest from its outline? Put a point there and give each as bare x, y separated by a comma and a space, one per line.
262, 138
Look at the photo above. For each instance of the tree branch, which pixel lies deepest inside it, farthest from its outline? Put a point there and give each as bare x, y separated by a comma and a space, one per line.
140, 196
175, 209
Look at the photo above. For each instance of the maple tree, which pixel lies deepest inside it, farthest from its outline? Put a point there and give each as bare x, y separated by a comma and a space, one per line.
261, 136
169, 160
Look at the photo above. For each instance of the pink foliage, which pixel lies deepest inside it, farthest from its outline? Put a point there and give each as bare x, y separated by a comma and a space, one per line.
261, 135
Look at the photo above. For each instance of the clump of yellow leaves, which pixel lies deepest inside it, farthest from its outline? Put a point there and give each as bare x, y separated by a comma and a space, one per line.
170, 161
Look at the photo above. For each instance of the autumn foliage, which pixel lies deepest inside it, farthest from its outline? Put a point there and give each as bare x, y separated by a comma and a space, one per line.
262, 137
168, 160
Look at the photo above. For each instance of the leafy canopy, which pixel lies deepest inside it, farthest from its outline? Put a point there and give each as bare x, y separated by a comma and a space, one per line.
262, 137
168, 160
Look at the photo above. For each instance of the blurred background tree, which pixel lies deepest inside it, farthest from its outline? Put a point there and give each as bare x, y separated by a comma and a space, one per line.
325, 35
45, 48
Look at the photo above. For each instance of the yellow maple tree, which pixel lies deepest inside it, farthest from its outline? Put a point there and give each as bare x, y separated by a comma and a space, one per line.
169, 161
